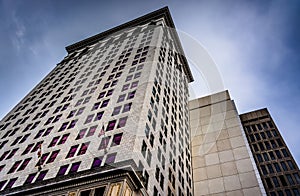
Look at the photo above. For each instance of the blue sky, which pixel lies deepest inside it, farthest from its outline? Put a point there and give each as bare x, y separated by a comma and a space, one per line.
255, 44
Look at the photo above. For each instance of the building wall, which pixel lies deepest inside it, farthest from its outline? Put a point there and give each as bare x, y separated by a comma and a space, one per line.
277, 167
221, 159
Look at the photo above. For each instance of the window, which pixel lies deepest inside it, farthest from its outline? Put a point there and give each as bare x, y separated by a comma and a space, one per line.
48, 131
117, 139
121, 98
83, 148
97, 162
111, 125
81, 134
54, 141
80, 111
275, 181
53, 156
283, 165
116, 111
28, 148
104, 103
101, 95
109, 92
10, 183
110, 158
131, 95
73, 123
41, 176
290, 179
72, 151
134, 84
127, 107
125, 87
39, 133
12, 153
291, 165
63, 126
14, 167
63, 139
74, 167
99, 116
62, 170
122, 122
30, 178
42, 160
24, 164
89, 118
96, 105
71, 114
37, 146
104, 143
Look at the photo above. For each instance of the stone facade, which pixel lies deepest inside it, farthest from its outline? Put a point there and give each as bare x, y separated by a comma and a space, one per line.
221, 159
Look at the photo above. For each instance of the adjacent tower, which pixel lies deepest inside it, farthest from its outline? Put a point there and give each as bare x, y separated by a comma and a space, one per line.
110, 119
277, 167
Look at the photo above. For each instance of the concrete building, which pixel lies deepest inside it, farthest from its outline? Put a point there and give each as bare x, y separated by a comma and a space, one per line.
277, 167
110, 119
221, 158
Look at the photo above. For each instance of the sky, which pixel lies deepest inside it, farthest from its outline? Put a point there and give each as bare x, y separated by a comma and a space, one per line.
255, 46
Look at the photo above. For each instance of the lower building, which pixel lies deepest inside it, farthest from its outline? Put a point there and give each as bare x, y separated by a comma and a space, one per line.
222, 161
277, 167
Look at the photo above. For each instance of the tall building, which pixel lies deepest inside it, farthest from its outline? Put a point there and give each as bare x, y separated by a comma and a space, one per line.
222, 161
110, 119
277, 167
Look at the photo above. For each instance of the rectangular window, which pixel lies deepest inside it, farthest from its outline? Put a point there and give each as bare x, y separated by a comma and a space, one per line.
64, 138
134, 84
97, 162
96, 106
89, 118
91, 131
10, 183
83, 148
122, 122
99, 116
62, 170
63, 126
74, 167
109, 92
81, 134
80, 111
28, 148
101, 95
104, 103
72, 151
12, 153
116, 110
121, 98
73, 123
110, 158
71, 114
117, 139
53, 142
131, 95
24, 164
125, 87
104, 143
111, 125
42, 160
127, 107
53, 156
14, 167
37, 146
47, 132
41, 176
30, 178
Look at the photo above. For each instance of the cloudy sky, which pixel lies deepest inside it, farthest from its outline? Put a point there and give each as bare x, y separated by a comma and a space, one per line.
255, 45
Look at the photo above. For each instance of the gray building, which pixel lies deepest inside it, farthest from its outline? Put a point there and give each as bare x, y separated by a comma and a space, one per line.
277, 167
110, 119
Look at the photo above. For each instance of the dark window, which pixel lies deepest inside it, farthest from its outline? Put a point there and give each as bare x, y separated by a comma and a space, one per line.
24, 164
290, 179
96, 105
97, 162
134, 84
62, 170
14, 167
30, 178
116, 110
48, 131
28, 148
10, 183
83, 148
104, 103
131, 95
72, 151
283, 165
121, 98
99, 191
12, 153
117, 139
89, 118
99, 116
275, 181
111, 125
63, 139
81, 134
127, 107
74, 167
41, 176
53, 156
54, 141
92, 131
72, 124
110, 158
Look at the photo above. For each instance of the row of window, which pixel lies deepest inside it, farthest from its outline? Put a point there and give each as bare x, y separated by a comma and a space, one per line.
282, 180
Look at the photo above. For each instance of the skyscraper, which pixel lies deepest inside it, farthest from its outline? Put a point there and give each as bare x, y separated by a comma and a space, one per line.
111, 118
277, 167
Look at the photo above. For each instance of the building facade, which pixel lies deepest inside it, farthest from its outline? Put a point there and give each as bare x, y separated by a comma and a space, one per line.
277, 167
221, 158
110, 119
